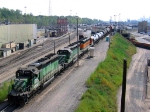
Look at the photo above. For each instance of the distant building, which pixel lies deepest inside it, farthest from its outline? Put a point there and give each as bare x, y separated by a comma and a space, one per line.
62, 24
17, 33
142, 26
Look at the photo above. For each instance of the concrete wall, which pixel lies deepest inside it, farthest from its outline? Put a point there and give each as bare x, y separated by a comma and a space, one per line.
17, 33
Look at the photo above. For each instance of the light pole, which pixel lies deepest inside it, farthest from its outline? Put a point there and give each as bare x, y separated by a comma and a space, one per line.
115, 19
40, 19
110, 20
25, 14
70, 12
77, 41
118, 18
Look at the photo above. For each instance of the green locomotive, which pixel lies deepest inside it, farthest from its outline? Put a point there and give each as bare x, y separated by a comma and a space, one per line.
29, 80
69, 53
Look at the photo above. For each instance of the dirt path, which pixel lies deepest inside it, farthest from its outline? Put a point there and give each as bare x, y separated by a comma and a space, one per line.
136, 96
136, 83
64, 94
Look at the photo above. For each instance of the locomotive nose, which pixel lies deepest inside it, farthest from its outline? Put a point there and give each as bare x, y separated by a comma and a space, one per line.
18, 100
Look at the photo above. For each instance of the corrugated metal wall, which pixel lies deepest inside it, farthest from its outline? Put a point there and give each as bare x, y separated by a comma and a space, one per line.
17, 33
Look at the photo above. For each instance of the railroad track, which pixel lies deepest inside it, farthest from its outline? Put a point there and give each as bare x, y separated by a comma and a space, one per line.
30, 54
9, 108
13, 57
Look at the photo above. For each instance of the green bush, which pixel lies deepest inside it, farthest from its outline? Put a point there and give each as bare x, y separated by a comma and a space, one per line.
104, 82
4, 90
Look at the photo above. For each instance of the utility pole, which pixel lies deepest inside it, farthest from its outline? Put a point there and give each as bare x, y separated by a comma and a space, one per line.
49, 9
40, 18
77, 41
69, 38
115, 19
110, 20
54, 47
25, 14
118, 19
50, 12
123, 86
70, 12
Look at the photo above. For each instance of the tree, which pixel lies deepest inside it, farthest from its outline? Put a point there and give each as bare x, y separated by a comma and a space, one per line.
16, 17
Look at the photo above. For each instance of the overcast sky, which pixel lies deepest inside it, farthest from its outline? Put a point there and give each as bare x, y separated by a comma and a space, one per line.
98, 9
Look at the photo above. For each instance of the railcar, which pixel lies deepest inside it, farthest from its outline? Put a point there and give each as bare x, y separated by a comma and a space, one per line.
100, 35
69, 53
85, 44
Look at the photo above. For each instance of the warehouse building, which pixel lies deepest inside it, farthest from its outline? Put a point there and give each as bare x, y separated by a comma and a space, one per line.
17, 33
16, 36
142, 27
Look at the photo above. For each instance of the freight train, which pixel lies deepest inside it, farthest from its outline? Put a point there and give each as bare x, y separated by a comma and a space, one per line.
34, 77
99, 35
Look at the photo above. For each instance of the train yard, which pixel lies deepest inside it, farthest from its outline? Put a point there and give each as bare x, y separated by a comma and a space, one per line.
33, 78
136, 97
27, 56
136, 85
64, 93
22, 59
33, 51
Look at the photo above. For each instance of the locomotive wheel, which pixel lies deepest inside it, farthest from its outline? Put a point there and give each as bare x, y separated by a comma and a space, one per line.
26, 99
11, 99
21, 101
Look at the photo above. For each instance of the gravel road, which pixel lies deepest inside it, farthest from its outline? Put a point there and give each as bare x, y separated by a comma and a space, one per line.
64, 93
136, 95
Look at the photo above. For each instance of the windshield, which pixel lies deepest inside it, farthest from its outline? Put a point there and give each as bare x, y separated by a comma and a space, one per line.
23, 74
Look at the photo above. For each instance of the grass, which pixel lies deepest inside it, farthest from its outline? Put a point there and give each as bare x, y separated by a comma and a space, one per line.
4, 90
104, 82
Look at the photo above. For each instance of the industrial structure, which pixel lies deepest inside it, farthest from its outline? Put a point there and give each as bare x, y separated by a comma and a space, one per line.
142, 27
16, 36
62, 24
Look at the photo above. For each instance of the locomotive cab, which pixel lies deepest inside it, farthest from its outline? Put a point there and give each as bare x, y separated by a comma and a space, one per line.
64, 55
29, 74
26, 79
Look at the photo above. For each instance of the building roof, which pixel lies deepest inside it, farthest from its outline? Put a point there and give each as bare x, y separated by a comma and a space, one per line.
5, 49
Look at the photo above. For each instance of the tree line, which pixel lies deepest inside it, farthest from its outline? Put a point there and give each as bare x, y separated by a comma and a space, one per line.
17, 17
